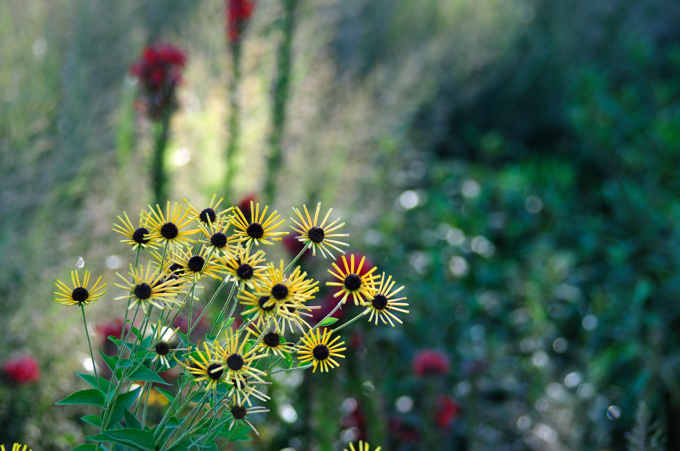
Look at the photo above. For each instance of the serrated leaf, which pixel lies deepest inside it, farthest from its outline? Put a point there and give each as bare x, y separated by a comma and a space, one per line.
168, 395
92, 381
91, 397
328, 322
94, 420
123, 402
143, 440
145, 374
131, 421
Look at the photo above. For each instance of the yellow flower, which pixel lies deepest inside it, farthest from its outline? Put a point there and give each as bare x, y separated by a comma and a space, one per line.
171, 226
160, 339
80, 294
282, 288
290, 313
139, 237
237, 363
244, 267
241, 390
363, 446
16, 447
195, 265
216, 232
150, 288
239, 412
270, 342
320, 236
382, 305
204, 368
256, 304
258, 230
359, 286
316, 348
210, 214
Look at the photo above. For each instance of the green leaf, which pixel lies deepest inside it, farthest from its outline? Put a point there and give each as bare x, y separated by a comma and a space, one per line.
86, 447
229, 322
91, 397
289, 359
328, 322
126, 363
131, 421
142, 440
123, 402
169, 396
248, 346
92, 381
110, 362
241, 434
119, 343
94, 420
172, 423
145, 374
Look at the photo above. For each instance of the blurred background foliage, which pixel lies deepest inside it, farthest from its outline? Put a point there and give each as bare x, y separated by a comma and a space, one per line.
511, 162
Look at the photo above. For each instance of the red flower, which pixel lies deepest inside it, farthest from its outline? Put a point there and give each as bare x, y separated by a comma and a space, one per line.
22, 370
159, 71
111, 328
239, 13
430, 362
447, 411
403, 432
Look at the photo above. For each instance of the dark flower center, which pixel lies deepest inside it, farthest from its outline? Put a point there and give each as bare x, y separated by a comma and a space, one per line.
162, 348
139, 234
255, 230
262, 301
216, 374
196, 263
379, 302
316, 234
176, 268
80, 294
169, 231
235, 362
245, 271
280, 291
352, 282
143, 291
219, 240
272, 339
239, 412
208, 213
321, 352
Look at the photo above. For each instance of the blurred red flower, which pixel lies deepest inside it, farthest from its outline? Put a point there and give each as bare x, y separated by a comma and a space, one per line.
22, 370
239, 13
403, 432
430, 362
159, 71
114, 328
447, 411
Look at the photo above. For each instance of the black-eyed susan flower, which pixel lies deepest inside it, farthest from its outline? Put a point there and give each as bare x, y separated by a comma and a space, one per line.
320, 236
245, 267
237, 363
289, 316
258, 229
270, 341
255, 304
216, 238
240, 412
320, 350
210, 214
194, 265
383, 303
135, 237
171, 226
160, 343
81, 294
242, 390
282, 288
150, 287
203, 367
363, 446
353, 281
18, 447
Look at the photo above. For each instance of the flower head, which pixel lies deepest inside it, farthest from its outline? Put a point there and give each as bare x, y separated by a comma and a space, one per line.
81, 294
238, 16
260, 228
282, 288
319, 235
210, 214
159, 71
270, 341
150, 288
320, 350
135, 237
202, 366
235, 361
160, 342
22, 370
430, 362
447, 411
16, 447
169, 227
353, 281
382, 304
244, 267
362, 447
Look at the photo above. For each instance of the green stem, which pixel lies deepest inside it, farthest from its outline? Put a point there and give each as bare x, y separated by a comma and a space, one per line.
159, 176
205, 310
307, 246
234, 114
281, 93
224, 308
89, 344
351, 321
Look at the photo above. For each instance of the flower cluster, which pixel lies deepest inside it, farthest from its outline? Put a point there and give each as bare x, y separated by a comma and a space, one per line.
159, 71
238, 14
228, 368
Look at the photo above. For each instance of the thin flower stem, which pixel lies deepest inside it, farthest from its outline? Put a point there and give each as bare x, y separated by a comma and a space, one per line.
89, 344
168, 411
283, 370
337, 307
351, 321
307, 246
205, 310
224, 308
189, 419
233, 429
